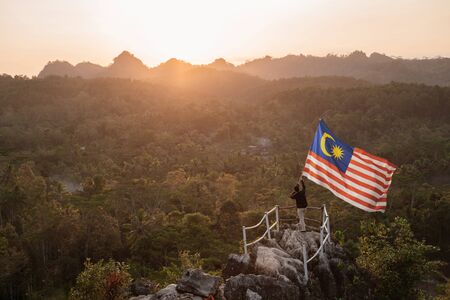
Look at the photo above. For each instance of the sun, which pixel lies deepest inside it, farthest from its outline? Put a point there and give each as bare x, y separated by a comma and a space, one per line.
338, 152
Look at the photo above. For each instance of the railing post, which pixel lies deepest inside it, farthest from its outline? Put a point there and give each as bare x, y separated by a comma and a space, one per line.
323, 213
328, 229
321, 238
268, 226
245, 239
277, 217
305, 262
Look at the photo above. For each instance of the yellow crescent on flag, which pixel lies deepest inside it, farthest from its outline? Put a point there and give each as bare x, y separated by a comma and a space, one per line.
322, 143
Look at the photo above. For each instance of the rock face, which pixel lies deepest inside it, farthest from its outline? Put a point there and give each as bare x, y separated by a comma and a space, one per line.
281, 259
198, 283
274, 262
194, 285
141, 287
292, 241
251, 295
273, 269
265, 287
168, 293
237, 264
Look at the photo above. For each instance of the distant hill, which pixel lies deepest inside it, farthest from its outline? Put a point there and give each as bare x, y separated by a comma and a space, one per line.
222, 64
126, 65
376, 68
59, 68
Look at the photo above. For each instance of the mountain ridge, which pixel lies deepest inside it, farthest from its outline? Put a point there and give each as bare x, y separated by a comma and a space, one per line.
375, 68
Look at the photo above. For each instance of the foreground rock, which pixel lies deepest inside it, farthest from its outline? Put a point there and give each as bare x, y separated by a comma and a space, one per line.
281, 258
273, 269
169, 293
292, 241
251, 295
275, 262
141, 287
237, 264
198, 283
266, 287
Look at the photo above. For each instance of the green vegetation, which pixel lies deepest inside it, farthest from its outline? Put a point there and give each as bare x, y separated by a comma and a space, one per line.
126, 170
102, 280
394, 259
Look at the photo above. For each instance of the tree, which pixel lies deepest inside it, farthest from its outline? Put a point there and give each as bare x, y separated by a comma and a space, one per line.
101, 234
13, 261
229, 221
393, 259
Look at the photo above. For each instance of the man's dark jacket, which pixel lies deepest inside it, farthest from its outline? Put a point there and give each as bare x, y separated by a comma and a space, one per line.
300, 197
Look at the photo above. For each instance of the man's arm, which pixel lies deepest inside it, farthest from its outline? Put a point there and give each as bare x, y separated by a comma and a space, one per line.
303, 185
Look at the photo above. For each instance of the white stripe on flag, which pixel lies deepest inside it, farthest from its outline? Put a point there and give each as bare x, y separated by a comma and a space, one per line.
364, 184
346, 180
325, 185
342, 187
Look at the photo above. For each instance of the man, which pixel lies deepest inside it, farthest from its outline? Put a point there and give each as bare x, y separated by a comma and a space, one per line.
300, 199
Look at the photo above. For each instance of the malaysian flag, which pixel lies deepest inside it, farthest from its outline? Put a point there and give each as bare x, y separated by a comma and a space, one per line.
352, 174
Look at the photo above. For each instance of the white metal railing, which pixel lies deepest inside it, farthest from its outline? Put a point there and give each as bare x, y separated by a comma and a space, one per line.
325, 232
324, 228
268, 227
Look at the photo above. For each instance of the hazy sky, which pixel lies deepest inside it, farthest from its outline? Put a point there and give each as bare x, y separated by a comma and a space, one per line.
35, 32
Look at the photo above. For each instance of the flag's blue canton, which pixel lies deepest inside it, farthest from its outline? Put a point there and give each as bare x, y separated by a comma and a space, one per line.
330, 148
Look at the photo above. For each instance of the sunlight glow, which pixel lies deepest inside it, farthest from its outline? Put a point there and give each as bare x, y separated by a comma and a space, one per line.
198, 31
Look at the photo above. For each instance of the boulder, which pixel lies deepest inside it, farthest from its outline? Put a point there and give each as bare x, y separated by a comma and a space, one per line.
237, 264
326, 277
251, 295
143, 297
275, 262
292, 242
167, 293
170, 293
196, 282
141, 286
268, 288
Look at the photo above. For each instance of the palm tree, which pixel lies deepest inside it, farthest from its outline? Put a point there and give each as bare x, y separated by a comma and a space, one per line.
138, 228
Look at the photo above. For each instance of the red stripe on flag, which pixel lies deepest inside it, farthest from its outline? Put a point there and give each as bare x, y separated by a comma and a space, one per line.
342, 182
371, 163
367, 177
342, 193
365, 167
376, 158
352, 179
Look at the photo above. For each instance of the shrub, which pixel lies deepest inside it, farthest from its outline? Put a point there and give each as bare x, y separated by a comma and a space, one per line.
102, 280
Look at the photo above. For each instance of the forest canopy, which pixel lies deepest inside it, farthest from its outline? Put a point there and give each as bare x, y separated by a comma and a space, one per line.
136, 172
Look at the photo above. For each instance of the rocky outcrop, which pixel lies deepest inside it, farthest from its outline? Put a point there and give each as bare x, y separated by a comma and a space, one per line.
193, 285
169, 293
237, 264
281, 259
251, 295
292, 242
267, 287
141, 287
198, 283
273, 269
275, 262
